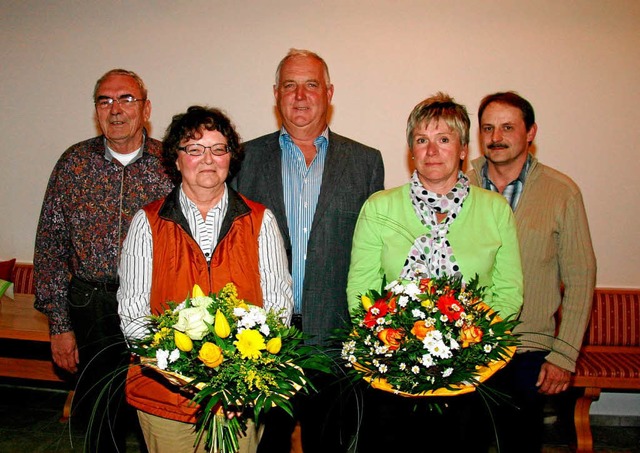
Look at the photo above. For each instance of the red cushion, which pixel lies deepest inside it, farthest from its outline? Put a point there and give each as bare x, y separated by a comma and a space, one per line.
6, 269
615, 318
609, 365
23, 279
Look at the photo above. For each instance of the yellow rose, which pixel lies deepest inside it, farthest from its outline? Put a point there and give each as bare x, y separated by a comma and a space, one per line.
274, 345
221, 326
183, 342
211, 355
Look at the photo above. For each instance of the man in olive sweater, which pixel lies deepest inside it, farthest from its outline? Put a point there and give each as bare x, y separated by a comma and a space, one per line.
556, 251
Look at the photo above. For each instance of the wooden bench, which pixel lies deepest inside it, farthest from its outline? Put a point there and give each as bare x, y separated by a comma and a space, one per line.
19, 321
610, 355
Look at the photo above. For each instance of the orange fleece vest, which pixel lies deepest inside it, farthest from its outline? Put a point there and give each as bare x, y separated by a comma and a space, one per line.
178, 263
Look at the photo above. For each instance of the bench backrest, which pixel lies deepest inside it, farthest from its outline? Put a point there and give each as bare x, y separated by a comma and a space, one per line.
23, 278
615, 318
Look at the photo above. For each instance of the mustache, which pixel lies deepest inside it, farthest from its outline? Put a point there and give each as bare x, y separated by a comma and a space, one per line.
498, 146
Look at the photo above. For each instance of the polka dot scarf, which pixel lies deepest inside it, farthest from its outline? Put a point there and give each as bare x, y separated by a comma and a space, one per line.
431, 254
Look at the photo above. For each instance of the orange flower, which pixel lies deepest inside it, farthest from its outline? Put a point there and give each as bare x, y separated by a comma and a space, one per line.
470, 335
426, 286
420, 329
391, 337
392, 304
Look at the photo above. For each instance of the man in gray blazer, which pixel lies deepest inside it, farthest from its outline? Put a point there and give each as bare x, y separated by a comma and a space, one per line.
315, 183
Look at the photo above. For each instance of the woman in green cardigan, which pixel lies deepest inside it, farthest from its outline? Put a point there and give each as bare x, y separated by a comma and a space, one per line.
435, 225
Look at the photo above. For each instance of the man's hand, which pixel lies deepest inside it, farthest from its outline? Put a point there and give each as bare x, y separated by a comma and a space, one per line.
65, 351
552, 379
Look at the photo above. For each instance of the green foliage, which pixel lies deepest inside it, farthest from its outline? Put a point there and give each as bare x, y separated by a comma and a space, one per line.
238, 374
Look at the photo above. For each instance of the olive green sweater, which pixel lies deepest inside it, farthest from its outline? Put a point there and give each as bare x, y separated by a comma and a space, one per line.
556, 251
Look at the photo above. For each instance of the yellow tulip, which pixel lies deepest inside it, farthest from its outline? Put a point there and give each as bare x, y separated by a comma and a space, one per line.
221, 325
274, 345
366, 302
197, 291
183, 342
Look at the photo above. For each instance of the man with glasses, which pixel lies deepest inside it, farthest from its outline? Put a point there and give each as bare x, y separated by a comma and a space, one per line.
315, 182
94, 190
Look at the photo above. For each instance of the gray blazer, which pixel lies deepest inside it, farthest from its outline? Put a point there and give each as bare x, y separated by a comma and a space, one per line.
351, 174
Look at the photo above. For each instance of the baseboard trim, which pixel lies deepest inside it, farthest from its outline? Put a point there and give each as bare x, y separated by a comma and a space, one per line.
614, 420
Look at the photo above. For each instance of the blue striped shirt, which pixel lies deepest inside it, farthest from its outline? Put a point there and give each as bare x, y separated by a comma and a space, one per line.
301, 190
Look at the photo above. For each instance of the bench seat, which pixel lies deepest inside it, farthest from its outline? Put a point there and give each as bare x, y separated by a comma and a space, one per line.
610, 354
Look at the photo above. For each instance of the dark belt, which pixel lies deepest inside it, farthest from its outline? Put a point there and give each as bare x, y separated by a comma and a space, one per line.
108, 287
296, 321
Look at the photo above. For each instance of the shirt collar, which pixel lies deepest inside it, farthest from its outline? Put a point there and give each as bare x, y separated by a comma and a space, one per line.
323, 138
138, 154
185, 202
522, 177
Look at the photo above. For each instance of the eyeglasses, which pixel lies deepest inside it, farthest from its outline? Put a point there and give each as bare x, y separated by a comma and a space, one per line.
122, 101
219, 149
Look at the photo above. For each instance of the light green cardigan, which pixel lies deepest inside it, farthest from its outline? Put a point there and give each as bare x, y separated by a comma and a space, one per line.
483, 238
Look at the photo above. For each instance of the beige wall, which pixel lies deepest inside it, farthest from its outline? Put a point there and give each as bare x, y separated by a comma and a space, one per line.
578, 62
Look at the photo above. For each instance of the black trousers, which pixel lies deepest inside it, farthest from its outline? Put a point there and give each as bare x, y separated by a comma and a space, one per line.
521, 424
99, 406
328, 419
394, 423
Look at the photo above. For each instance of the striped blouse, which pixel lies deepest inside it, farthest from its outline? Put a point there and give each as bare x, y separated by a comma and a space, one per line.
137, 261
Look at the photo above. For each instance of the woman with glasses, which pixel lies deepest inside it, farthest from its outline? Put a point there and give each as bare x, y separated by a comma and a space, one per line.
206, 233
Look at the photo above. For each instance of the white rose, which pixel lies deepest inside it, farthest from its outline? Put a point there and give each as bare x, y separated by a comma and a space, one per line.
204, 301
191, 321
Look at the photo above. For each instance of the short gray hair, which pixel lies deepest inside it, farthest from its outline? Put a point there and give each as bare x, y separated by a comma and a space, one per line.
123, 72
302, 53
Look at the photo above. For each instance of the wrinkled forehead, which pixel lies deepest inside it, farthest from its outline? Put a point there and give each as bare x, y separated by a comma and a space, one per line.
117, 85
303, 67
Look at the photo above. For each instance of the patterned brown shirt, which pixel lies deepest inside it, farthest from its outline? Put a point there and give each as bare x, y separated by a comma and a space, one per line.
89, 203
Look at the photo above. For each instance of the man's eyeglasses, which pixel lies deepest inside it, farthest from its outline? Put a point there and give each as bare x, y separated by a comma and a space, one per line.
219, 149
123, 101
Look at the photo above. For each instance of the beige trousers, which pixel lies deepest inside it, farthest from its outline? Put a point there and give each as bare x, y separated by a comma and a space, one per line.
169, 436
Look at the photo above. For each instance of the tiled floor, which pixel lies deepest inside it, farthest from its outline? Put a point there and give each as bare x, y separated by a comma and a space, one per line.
29, 422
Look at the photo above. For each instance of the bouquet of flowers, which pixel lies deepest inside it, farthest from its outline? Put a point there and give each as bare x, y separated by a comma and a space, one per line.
427, 337
232, 355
